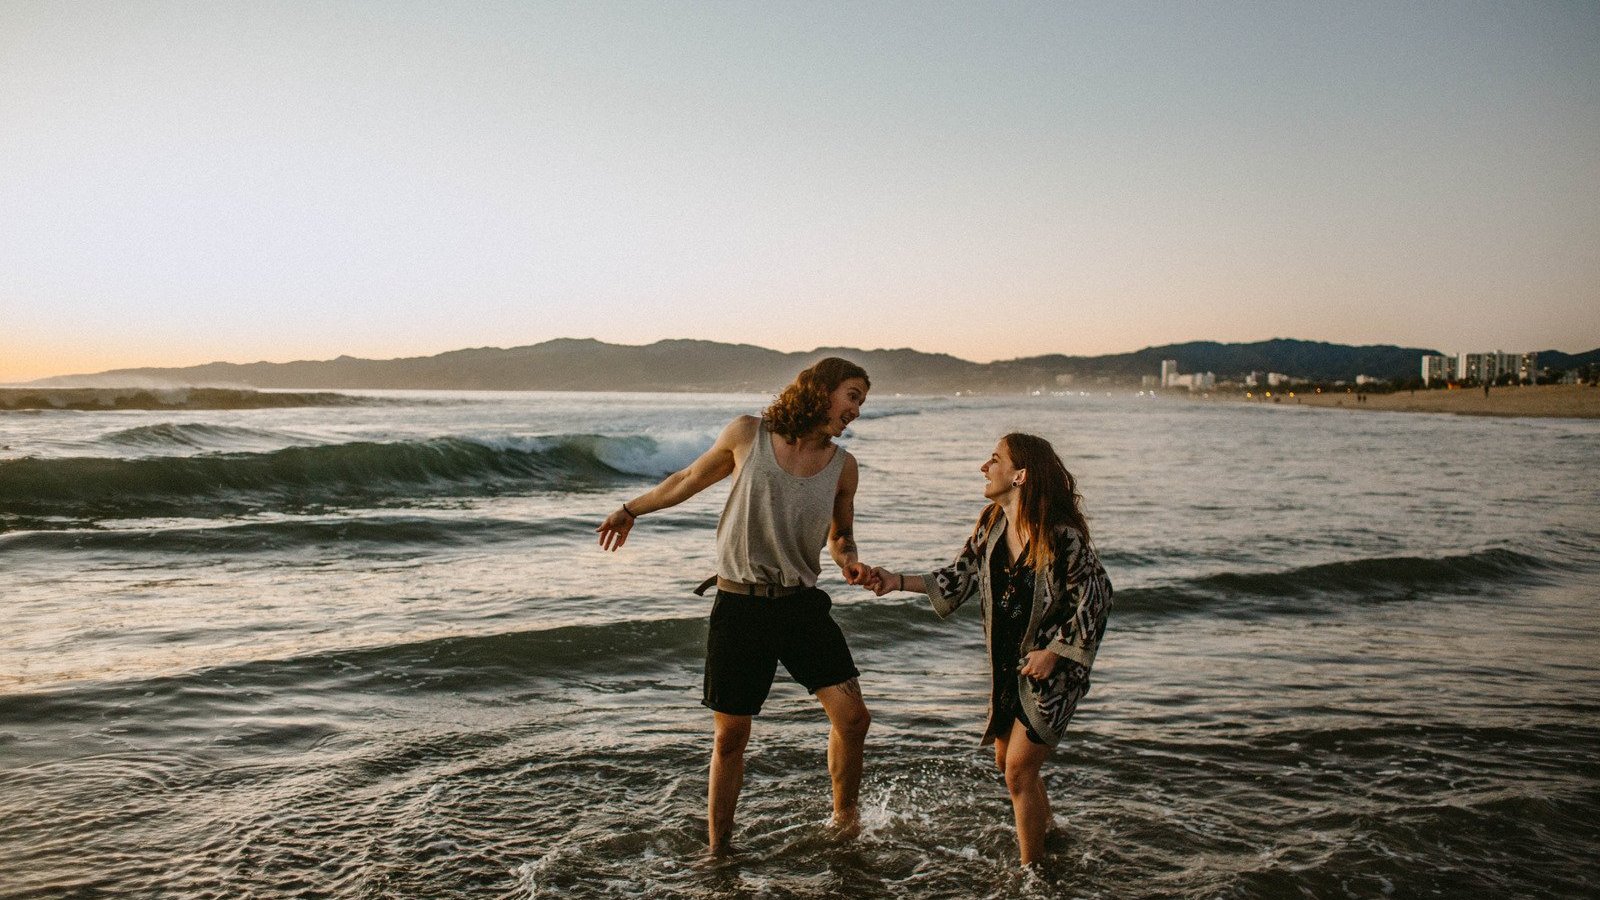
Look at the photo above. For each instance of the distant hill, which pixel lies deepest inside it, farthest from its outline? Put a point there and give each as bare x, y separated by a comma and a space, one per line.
686, 365
1305, 359
1555, 359
566, 365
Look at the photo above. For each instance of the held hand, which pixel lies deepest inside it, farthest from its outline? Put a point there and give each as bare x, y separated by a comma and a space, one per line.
1039, 664
614, 530
857, 573
883, 581
872, 580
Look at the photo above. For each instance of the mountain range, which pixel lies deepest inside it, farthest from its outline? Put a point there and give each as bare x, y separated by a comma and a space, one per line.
691, 365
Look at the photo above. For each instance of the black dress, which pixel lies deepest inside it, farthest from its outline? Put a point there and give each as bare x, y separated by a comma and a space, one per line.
1013, 602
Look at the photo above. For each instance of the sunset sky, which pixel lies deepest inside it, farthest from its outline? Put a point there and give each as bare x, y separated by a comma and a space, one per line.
189, 182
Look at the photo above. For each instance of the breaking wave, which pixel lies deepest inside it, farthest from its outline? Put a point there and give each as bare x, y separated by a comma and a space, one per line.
95, 399
359, 474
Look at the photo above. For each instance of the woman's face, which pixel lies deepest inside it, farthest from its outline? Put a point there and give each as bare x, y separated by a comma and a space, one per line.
999, 475
844, 405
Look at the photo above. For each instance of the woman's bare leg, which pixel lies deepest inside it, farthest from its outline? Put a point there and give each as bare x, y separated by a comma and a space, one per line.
1030, 805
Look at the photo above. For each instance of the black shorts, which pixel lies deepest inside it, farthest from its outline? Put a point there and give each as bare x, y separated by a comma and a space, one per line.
749, 636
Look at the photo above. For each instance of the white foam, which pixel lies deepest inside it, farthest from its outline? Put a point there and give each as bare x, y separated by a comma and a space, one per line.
654, 457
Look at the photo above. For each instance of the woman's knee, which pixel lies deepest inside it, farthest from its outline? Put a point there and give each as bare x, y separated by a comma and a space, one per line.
1021, 777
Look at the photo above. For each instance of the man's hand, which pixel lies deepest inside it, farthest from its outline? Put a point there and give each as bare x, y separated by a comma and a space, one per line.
857, 573
614, 530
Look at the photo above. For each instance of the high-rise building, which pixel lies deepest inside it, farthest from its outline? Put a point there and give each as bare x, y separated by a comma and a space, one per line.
1438, 369
1169, 373
1528, 368
1486, 368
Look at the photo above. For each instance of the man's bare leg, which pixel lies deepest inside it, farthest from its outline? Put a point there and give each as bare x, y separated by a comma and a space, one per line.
849, 719
727, 776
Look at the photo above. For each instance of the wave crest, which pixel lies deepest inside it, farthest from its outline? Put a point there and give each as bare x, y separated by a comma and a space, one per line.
337, 475
187, 435
1378, 580
152, 398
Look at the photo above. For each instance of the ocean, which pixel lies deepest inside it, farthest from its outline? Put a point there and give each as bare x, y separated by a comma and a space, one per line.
374, 651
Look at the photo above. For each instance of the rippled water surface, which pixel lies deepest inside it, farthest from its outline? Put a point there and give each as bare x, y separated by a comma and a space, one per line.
372, 651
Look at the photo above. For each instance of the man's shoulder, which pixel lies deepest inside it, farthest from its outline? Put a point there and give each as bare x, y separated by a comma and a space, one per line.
849, 461
741, 431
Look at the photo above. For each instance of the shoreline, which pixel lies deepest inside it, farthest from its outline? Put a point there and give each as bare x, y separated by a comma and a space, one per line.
1564, 401
168, 398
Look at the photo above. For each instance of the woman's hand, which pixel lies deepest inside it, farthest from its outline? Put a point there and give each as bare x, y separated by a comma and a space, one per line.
614, 530
1039, 664
882, 581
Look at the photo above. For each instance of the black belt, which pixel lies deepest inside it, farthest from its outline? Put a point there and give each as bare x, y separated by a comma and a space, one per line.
750, 590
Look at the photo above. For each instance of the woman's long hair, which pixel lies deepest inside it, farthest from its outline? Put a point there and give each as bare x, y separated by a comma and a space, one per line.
803, 405
1049, 498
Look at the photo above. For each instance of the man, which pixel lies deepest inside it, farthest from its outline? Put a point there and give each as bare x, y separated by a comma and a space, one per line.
793, 491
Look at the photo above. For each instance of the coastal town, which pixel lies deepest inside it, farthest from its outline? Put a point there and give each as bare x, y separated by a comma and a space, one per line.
1494, 383
1478, 370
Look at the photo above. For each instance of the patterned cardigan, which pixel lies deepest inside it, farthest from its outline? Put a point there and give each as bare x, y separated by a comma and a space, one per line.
1068, 619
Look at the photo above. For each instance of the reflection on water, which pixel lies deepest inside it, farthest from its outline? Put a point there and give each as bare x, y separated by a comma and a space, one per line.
1342, 661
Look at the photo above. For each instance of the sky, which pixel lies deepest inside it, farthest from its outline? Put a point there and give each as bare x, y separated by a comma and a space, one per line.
182, 183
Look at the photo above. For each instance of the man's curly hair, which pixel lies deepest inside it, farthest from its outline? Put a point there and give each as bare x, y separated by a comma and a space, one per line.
803, 405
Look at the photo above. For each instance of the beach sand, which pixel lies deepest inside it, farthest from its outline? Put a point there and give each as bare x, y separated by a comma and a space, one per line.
1547, 400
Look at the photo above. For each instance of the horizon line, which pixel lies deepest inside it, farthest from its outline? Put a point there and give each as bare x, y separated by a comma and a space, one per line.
820, 348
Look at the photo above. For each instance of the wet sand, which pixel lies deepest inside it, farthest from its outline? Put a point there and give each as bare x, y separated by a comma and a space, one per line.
1544, 400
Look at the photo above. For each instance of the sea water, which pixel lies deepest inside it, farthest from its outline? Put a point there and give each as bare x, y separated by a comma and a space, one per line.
375, 651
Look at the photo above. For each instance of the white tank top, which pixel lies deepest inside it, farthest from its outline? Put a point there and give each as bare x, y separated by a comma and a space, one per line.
775, 524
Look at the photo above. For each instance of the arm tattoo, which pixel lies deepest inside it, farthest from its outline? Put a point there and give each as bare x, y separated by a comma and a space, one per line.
845, 538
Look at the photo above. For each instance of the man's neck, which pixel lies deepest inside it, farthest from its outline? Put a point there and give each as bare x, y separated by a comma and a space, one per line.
815, 440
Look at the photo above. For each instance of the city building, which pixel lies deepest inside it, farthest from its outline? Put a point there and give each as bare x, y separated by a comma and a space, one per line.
1197, 381
1487, 368
1437, 369
1481, 368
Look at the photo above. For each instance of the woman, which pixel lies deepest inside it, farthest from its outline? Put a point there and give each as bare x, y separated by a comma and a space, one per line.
793, 490
1045, 600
